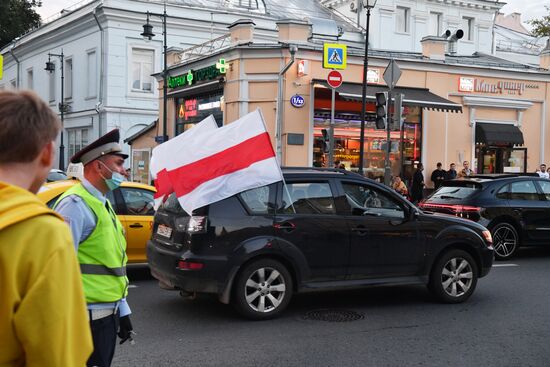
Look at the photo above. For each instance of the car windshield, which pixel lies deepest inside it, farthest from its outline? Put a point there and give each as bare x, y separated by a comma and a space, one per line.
454, 192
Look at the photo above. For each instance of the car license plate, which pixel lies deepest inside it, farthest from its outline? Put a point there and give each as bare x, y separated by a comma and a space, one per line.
164, 231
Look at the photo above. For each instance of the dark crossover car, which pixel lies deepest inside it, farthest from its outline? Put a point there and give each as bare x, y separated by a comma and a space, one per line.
516, 209
324, 229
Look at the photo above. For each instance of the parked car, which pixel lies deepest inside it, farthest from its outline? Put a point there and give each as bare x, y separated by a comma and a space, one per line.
516, 209
324, 229
56, 175
133, 203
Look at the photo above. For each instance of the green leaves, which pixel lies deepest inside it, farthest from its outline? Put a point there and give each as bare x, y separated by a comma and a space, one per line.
541, 27
17, 17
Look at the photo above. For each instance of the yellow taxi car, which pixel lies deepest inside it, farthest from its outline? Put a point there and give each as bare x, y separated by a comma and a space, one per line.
133, 203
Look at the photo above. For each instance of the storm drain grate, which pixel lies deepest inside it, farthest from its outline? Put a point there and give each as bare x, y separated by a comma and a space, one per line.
333, 315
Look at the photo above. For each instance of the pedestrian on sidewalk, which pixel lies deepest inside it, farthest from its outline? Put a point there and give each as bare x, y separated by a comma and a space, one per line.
466, 171
417, 189
100, 244
451, 173
542, 172
438, 176
43, 319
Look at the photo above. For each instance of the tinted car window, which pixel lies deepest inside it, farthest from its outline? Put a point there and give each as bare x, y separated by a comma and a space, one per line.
545, 186
523, 190
372, 201
172, 205
256, 200
504, 192
138, 201
56, 175
308, 198
454, 192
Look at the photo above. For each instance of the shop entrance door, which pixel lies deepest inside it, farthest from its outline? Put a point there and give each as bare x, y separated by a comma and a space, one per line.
502, 160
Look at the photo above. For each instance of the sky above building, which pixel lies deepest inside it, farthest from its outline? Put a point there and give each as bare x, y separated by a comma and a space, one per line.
528, 8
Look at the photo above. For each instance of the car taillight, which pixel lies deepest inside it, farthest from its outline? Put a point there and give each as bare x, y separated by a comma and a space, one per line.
197, 224
456, 209
189, 265
488, 237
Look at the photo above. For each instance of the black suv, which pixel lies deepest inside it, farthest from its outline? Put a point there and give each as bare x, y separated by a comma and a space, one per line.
516, 209
324, 229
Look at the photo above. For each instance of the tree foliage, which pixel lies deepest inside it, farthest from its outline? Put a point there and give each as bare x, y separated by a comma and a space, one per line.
541, 27
16, 18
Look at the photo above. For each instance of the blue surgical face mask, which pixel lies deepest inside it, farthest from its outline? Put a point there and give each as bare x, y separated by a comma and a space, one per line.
115, 180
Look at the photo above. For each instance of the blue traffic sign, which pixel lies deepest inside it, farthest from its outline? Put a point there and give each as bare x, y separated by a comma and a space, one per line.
297, 101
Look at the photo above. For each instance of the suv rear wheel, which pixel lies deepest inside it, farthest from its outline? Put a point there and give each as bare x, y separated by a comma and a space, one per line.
453, 277
505, 240
263, 289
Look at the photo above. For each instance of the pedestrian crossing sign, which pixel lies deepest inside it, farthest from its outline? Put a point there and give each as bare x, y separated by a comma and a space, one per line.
334, 56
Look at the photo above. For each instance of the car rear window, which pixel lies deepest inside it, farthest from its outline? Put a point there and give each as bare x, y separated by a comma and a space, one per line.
172, 205
453, 192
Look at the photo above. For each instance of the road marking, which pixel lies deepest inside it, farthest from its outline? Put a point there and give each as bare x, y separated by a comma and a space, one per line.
132, 286
504, 265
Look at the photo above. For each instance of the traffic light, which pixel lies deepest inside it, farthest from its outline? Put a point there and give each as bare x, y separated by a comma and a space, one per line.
381, 110
325, 140
397, 120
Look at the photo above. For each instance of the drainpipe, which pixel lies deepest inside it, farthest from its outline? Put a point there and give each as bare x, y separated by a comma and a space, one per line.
279, 112
17, 83
99, 106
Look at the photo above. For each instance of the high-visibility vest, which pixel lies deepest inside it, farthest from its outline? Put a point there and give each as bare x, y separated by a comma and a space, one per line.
102, 256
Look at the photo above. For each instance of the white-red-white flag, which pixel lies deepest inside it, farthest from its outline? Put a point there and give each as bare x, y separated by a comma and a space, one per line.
163, 153
218, 164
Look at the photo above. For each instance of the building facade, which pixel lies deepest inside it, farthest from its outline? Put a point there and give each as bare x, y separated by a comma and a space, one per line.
482, 109
107, 64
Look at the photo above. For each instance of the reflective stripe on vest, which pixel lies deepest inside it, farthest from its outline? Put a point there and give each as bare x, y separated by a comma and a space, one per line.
102, 256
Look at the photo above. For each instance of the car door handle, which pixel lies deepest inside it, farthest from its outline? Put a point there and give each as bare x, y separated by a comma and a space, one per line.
360, 230
136, 225
285, 226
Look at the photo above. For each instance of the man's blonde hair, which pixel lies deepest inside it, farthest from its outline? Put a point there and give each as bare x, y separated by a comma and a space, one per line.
27, 124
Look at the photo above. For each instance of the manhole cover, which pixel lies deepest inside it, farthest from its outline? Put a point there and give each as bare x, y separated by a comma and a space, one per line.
333, 315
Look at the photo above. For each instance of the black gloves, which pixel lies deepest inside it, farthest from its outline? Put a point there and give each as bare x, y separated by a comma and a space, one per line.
125, 330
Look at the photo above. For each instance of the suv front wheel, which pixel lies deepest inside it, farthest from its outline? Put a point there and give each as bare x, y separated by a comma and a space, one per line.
263, 289
453, 277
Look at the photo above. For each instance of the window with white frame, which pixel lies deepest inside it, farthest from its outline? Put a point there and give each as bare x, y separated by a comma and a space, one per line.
468, 28
91, 74
436, 24
402, 21
51, 93
78, 139
68, 92
142, 68
30, 77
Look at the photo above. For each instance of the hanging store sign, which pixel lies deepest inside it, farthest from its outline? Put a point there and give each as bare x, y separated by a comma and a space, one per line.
373, 76
466, 84
194, 76
303, 68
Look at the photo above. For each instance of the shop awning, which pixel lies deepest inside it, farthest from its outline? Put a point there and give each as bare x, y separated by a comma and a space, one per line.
498, 134
420, 97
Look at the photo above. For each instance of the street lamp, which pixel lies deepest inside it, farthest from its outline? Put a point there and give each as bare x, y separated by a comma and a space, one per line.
50, 67
148, 35
369, 4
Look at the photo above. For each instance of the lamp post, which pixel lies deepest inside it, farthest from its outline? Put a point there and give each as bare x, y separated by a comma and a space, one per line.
50, 67
369, 4
148, 34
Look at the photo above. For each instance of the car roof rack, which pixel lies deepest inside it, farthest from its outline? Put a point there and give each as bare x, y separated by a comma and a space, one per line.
323, 169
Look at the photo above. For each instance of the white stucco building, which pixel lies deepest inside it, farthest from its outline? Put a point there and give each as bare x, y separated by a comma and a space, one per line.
108, 65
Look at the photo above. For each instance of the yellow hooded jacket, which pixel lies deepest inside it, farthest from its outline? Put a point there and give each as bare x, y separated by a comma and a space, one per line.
43, 317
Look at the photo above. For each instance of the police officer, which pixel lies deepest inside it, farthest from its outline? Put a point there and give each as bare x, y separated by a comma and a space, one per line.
100, 244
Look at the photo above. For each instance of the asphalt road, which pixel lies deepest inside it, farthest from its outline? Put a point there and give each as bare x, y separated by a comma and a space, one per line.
505, 323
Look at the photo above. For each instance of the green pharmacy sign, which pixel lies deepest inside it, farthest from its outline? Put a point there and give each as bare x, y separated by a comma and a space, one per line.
193, 76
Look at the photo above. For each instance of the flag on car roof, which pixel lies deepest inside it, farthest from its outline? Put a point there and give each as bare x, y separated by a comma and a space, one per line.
217, 164
163, 153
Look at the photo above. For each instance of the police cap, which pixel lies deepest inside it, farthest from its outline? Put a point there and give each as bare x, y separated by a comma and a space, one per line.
107, 144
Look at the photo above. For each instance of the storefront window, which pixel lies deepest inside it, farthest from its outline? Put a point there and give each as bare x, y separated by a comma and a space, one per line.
501, 159
193, 109
347, 141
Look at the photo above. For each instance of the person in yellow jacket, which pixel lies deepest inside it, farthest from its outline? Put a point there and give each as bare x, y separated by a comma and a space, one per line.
43, 319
